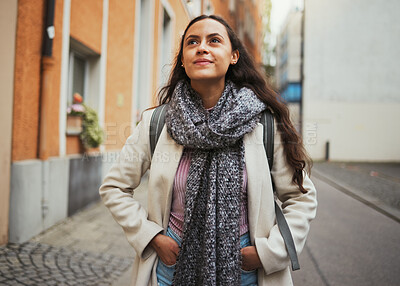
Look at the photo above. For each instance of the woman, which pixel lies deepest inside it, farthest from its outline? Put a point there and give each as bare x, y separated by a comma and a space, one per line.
210, 217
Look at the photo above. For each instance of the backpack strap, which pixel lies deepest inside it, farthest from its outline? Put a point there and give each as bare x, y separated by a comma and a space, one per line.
156, 125
267, 121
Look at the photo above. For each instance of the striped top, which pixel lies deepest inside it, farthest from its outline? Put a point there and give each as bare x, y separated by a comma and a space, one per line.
178, 197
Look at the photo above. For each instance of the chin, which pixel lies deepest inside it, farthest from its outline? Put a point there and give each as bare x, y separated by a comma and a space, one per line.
205, 77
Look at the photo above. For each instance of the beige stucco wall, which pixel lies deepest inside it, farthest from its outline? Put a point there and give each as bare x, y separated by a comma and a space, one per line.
351, 87
8, 25
356, 131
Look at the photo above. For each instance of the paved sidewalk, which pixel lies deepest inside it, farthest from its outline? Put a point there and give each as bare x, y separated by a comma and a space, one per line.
88, 248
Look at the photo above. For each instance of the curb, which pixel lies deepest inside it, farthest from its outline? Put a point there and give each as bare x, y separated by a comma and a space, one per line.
371, 202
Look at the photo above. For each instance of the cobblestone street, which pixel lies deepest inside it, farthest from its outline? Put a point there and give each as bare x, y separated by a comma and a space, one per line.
88, 248
35, 263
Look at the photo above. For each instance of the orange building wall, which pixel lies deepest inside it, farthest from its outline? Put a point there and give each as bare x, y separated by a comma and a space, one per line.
27, 79
86, 22
259, 27
255, 48
27, 83
221, 8
120, 52
74, 145
255, 11
53, 139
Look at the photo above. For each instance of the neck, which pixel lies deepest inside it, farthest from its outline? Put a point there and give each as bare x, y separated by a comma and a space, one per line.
209, 92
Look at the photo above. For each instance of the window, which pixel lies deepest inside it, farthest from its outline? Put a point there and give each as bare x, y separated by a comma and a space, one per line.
208, 8
193, 7
144, 46
84, 74
166, 46
78, 74
232, 6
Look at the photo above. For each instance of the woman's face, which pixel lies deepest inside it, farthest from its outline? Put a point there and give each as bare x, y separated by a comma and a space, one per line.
207, 52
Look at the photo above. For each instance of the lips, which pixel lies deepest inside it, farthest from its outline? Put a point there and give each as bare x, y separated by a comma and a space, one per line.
202, 61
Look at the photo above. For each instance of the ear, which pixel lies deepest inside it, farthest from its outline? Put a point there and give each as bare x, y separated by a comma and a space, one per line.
235, 57
182, 64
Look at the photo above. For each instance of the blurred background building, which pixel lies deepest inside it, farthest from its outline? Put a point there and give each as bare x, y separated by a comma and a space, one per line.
116, 54
288, 66
337, 66
351, 87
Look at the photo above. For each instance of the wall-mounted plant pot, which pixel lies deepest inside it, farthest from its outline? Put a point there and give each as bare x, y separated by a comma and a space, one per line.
92, 151
74, 124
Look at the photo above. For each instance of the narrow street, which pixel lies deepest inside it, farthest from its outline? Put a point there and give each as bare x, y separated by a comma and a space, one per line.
349, 244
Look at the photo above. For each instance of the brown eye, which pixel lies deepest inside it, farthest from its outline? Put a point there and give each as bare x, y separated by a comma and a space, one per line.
191, 42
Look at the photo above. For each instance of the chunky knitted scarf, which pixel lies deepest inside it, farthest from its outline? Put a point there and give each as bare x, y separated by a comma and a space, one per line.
210, 252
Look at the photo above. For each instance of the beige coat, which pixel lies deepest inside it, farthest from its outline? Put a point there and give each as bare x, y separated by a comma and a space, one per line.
141, 226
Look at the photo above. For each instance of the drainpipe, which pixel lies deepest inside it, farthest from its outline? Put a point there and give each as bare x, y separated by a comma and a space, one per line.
46, 82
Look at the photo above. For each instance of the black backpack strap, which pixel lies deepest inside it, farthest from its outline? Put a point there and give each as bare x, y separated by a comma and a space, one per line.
267, 121
287, 237
156, 125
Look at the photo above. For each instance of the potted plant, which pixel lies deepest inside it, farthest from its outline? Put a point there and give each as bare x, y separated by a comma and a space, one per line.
92, 135
74, 115
82, 120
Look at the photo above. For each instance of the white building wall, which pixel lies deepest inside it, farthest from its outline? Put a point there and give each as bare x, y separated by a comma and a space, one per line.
289, 42
351, 79
294, 46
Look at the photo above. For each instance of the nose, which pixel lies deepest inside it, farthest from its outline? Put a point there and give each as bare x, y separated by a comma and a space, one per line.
202, 48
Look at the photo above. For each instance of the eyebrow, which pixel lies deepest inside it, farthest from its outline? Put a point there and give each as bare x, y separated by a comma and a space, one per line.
208, 36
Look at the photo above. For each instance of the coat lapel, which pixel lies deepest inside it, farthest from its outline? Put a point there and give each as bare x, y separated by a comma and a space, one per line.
256, 165
167, 154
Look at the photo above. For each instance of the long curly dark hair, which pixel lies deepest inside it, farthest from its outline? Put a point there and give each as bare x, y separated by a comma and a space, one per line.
245, 74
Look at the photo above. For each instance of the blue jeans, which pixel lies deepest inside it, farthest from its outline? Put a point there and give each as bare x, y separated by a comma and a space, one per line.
165, 273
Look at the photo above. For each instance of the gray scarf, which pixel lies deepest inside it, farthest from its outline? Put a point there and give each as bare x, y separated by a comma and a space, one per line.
210, 252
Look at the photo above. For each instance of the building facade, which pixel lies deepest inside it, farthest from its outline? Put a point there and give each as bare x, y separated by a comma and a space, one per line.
351, 99
288, 69
246, 18
115, 54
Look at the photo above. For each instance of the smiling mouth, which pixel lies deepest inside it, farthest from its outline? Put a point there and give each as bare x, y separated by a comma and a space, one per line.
202, 62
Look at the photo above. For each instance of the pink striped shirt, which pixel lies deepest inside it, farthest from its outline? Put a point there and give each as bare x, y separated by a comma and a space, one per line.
178, 197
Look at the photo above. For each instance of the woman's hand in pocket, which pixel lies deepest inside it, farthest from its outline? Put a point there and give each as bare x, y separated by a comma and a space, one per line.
166, 247
250, 258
